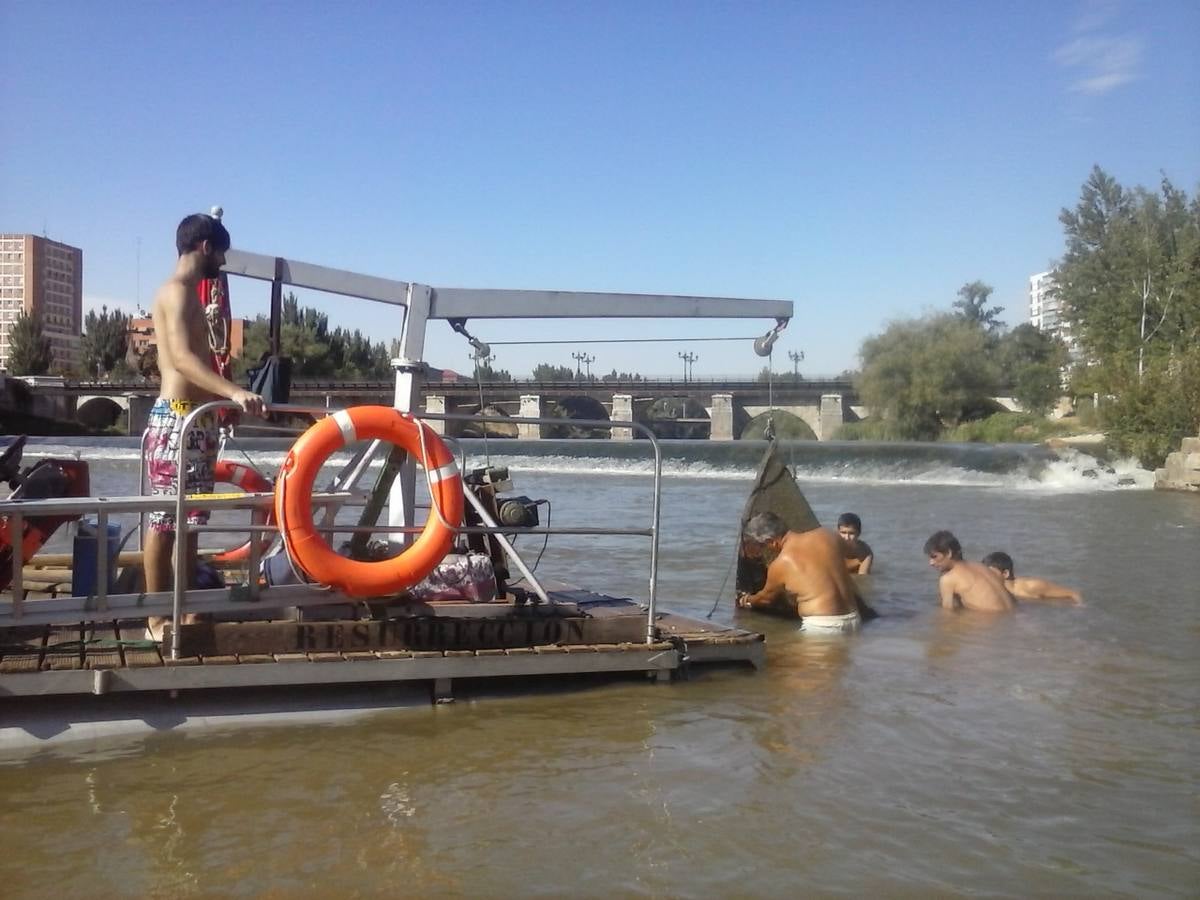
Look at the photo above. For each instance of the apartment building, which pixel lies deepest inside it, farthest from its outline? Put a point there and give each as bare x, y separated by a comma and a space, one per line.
44, 279
1045, 310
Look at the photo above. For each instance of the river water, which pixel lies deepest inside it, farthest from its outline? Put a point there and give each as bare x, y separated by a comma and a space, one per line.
1052, 752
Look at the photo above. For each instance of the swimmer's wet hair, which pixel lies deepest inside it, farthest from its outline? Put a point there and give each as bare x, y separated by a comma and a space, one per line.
850, 519
195, 229
943, 542
1001, 561
764, 527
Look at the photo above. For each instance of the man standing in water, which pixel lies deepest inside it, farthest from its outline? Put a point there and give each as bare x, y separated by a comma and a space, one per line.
965, 584
859, 555
188, 381
807, 575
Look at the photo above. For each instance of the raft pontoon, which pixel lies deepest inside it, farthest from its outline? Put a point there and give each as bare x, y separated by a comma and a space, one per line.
308, 635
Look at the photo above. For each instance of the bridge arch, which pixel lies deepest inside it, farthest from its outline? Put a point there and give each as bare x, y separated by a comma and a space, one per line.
580, 406
678, 418
788, 427
486, 429
100, 411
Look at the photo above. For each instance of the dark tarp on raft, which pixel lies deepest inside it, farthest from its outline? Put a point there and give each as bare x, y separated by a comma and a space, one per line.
272, 379
774, 491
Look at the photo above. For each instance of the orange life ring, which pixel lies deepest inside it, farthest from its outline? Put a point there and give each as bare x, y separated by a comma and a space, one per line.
293, 501
229, 472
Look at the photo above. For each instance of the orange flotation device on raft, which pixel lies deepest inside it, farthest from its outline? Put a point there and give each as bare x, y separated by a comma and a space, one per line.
229, 472
293, 501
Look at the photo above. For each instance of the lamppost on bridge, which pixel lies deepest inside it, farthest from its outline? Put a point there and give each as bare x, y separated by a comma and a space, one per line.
688, 360
482, 361
582, 359
796, 358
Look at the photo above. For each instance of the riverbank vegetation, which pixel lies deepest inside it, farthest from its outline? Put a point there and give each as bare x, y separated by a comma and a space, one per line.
1129, 282
1128, 285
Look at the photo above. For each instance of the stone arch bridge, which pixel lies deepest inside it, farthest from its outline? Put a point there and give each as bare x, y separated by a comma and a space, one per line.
719, 409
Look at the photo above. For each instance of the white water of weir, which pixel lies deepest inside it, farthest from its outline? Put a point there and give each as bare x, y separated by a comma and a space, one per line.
1065, 470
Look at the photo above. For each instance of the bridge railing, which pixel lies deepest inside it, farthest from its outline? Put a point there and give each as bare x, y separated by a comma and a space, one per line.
733, 383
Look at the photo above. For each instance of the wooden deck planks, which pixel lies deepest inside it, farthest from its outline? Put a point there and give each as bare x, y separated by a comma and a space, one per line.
22, 649
138, 657
101, 648
64, 648
28, 650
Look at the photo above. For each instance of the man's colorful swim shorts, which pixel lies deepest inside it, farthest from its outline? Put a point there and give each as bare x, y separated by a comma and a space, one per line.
161, 446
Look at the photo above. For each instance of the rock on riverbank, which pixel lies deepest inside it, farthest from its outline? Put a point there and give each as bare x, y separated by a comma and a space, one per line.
1181, 472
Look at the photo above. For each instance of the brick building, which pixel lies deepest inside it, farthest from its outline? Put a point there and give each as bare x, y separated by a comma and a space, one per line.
141, 335
44, 279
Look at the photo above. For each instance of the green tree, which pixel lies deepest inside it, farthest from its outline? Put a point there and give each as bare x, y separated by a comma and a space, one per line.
972, 306
1149, 418
1027, 344
548, 372
614, 375
1033, 362
316, 351
29, 349
1129, 281
923, 374
1129, 284
1037, 386
485, 372
779, 376
105, 340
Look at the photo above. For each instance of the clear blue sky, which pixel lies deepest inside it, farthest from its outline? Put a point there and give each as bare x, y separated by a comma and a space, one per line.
862, 159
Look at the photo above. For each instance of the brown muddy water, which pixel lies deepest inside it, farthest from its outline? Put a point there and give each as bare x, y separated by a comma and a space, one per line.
1053, 752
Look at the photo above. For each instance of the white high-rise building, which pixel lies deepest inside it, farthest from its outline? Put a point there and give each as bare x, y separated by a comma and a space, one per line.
1045, 311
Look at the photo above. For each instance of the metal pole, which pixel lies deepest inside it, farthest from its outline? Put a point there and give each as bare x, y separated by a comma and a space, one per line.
141, 529
277, 306
654, 519
102, 557
796, 359
688, 359
179, 588
16, 532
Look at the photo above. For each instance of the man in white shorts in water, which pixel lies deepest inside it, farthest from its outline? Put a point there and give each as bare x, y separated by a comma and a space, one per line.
807, 575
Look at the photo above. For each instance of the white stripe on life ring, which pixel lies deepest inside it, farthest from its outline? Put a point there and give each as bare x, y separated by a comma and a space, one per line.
346, 424
449, 470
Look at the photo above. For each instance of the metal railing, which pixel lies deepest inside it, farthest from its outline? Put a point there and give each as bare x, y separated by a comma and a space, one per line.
181, 599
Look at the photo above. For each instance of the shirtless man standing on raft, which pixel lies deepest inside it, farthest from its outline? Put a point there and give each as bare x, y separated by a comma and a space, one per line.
187, 382
965, 584
808, 574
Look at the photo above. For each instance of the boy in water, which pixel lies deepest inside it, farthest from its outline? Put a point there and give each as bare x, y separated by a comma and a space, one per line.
859, 555
187, 382
807, 575
1028, 587
966, 584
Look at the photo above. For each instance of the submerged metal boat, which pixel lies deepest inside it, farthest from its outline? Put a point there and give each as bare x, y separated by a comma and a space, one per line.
80, 667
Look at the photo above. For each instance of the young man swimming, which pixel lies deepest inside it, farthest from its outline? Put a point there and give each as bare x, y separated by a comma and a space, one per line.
187, 382
807, 575
965, 584
859, 555
1028, 587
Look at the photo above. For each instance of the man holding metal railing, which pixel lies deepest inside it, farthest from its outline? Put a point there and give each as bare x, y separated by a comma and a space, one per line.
188, 380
